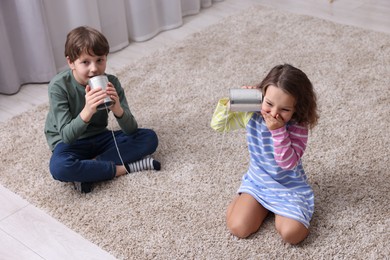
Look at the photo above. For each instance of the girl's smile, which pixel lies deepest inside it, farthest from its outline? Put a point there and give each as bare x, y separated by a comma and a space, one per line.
278, 103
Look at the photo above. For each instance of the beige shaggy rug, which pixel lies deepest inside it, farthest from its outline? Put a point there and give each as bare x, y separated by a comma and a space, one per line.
179, 212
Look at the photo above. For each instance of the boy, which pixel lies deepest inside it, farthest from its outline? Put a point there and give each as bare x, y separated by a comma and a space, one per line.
83, 148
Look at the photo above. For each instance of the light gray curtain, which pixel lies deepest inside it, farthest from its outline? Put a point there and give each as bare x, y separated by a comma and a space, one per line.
33, 32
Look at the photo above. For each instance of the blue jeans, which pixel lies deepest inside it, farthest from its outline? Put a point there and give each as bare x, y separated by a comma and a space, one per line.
94, 159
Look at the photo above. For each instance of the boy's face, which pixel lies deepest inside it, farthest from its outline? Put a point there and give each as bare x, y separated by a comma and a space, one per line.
87, 66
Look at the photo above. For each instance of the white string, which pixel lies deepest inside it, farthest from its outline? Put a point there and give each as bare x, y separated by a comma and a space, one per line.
139, 184
164, 190
222, 141
116, 144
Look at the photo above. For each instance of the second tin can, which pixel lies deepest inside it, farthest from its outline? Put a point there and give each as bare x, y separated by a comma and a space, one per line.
245, 99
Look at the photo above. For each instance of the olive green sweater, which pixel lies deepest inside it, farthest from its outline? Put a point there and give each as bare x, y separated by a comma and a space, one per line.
67, 100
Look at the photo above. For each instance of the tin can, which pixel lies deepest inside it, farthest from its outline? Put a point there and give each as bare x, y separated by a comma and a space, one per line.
245, 99
101, 81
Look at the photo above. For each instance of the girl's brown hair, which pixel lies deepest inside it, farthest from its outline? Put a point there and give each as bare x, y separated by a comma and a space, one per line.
295, 82
85, 39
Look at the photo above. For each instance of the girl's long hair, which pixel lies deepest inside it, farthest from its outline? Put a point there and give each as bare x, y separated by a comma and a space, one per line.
295, 82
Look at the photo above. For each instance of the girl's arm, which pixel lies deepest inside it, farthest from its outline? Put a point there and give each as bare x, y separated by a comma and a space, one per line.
224, 120
289, 145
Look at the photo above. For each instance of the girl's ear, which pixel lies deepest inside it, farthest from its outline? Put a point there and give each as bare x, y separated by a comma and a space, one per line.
70, 63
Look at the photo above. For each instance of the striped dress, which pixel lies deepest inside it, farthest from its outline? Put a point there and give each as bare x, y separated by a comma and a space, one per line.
275, 178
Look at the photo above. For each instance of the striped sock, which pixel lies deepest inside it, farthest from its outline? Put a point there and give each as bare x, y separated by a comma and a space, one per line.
144, 164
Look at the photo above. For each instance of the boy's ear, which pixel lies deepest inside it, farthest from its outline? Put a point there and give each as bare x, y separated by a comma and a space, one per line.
70, 63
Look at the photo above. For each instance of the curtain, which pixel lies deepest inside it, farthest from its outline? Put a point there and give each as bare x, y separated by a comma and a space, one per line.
33, 32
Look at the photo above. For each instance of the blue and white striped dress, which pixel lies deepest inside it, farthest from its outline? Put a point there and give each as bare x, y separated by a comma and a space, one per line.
283, 192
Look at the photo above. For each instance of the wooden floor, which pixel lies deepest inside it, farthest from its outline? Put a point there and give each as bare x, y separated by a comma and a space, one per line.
28, 233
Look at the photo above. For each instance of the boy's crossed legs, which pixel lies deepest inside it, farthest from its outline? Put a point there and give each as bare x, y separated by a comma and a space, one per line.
78, 162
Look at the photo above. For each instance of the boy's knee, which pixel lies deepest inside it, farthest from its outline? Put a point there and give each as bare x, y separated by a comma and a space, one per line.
151, 139
60, 172
57, 174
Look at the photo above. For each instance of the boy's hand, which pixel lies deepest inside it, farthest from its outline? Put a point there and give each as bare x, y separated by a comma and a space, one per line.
273, 123
93, 98
116, 107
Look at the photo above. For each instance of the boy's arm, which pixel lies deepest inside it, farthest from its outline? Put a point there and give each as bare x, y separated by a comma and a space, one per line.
127, 121
224, 120
289, 145
69, 129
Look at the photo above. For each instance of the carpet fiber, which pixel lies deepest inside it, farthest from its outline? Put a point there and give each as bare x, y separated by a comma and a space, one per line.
179, 212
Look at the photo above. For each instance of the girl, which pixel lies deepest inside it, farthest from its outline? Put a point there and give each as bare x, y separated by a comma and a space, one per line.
277, 138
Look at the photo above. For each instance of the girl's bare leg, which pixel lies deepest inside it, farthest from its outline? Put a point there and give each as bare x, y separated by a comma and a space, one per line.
245, 215
290, 230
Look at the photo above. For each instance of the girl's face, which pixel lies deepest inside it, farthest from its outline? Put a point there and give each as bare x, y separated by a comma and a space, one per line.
87, 66
277, 102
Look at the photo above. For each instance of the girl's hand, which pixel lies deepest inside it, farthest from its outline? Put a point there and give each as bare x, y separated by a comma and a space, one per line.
248, 87
116, 107
273, 123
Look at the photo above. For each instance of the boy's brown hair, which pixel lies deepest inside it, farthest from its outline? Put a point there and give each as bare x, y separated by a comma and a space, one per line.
295, 82
85, 39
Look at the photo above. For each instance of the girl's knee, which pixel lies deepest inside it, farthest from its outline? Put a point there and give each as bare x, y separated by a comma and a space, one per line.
245, 215
239, 228
291, 231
